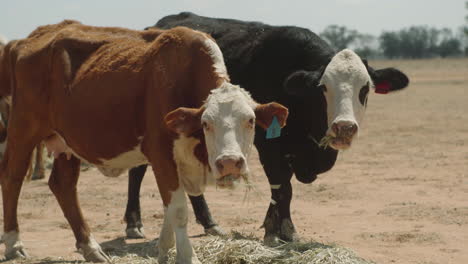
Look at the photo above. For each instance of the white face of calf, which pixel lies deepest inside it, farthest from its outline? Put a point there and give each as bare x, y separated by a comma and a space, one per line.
346, 84
228, 120
229, 126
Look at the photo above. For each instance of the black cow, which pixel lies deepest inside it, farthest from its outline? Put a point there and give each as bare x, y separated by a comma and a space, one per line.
325, 91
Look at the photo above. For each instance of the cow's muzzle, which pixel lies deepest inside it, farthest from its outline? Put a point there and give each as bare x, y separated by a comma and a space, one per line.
229, 169
341, 134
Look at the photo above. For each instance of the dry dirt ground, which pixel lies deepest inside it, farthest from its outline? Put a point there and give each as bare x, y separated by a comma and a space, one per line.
400, 195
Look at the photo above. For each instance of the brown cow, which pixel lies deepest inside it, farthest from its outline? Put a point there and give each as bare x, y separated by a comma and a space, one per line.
36, 168
118, 98
38, 171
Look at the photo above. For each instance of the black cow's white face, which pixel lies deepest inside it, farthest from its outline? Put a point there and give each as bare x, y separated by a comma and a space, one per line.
345, 83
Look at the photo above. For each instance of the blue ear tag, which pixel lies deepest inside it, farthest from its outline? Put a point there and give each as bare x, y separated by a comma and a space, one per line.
274, 130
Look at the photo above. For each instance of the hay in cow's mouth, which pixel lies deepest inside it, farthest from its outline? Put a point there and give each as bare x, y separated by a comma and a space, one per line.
325, 141
331, 141
227, 180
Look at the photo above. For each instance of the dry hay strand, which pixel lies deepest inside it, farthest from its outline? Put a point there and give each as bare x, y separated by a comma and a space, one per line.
237, 248
324, 142
247, 249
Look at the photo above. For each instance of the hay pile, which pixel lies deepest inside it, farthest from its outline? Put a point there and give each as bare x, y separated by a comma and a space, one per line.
236, 249
241, 249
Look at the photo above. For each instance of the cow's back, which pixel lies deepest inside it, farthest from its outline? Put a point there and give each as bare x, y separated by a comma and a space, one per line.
117, 72
251, 50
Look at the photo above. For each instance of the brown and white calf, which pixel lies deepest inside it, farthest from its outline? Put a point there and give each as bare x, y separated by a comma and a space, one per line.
118, 98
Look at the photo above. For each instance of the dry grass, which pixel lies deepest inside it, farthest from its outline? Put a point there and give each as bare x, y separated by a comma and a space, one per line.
235, 249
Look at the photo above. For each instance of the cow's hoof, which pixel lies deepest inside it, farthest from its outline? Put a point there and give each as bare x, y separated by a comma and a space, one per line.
288, 232
92, 251
16, 253
135, 232
215, 231
96, 255
194, 260
162, 259
272, 241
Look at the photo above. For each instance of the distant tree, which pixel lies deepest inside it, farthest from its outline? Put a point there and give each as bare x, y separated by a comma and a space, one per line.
339, 37
449, 44
417, 41
449, 47
466, 29
390, 44
365, 45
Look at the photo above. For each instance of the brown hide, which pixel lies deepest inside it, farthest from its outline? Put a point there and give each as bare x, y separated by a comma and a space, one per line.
102, 90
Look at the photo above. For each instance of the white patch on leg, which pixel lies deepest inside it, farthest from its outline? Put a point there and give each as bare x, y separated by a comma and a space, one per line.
12, 242
193, 175
166, 238
176, 216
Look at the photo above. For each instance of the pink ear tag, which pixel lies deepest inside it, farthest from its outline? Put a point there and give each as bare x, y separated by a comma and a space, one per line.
382, 88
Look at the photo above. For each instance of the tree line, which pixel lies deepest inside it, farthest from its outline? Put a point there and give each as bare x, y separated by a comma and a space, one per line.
412, 42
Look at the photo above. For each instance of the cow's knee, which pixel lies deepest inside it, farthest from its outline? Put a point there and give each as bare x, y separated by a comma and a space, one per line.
53, 183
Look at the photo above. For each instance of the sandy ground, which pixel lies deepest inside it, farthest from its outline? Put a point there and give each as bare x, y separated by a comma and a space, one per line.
398, 196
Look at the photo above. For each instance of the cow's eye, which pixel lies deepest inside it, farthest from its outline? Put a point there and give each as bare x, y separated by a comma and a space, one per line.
251, 122
323, 88
363, 94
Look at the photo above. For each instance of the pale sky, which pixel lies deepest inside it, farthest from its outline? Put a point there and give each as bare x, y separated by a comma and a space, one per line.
19, 17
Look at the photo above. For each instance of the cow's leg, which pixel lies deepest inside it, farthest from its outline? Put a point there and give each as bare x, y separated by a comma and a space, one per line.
278, 224
39, 170
175, 221
30, 167
132, 213
203, 216
63, 180
12, 172
175, 214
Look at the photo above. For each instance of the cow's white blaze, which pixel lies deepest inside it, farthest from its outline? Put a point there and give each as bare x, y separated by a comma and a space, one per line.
343, 78
228, 123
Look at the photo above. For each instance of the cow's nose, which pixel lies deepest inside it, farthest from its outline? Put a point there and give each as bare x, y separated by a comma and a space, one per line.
345, 128
230, 165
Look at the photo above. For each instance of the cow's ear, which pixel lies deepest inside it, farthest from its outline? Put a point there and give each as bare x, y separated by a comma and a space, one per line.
302, 82
184, 120
264, 114
388, 80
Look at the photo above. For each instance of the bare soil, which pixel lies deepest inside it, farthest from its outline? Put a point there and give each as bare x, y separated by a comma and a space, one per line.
400, 195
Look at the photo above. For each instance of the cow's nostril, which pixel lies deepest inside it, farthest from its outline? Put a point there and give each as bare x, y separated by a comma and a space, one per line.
219, 165
352, 129
335, 128
240, 163
344, 128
